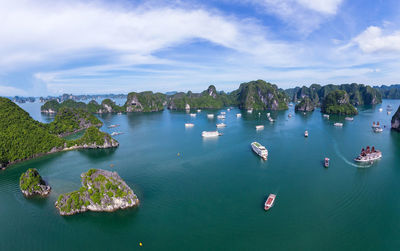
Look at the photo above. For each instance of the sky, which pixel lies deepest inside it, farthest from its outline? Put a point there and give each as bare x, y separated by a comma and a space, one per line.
52, 47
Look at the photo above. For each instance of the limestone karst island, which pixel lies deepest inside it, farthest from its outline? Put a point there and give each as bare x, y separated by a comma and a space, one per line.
199, 125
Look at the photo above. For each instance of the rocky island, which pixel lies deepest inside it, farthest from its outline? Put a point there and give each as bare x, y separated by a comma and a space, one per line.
306, 105
396, 120
23, 138
208, 99
260, 95
31, 183
101, 191
338, 102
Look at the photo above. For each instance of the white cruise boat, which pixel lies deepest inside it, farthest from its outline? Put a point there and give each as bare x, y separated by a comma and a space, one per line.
349, 118
189, 124
198, 110
221, 125
221, 116
210, 116
229, 109
209, 134
238, 115
223, 113
259, 127
338, 124
268, 114
326, 116
260, 150
377, 129
270, 119
250, 111
380, 110
193, 115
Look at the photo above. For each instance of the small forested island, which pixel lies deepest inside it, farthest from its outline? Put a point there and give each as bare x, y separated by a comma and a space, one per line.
260, 95
31, 183
101, 191
145, 102
338, 102
23, 138
306, 105
208, 99
396, 120
389, 92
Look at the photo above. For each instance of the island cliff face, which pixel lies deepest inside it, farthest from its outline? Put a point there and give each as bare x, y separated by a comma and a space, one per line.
23, 138
101, 191
338, 102
31, 183
208, 99
358, 94
260, 95
396, 120
145, 102
306, 105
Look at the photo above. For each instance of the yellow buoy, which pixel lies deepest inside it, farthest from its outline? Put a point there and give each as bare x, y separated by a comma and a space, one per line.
140, 244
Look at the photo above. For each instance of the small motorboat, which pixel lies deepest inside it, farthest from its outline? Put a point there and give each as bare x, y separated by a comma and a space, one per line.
326, 162
269, 202
306, 134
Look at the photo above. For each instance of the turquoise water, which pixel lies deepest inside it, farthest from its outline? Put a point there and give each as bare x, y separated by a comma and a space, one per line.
211, 195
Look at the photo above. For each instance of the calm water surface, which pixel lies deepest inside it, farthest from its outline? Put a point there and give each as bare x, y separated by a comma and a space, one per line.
198, 194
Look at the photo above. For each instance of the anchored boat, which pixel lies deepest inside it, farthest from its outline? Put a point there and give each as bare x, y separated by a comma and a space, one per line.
269, 202
210, 116
338, 124
193, 115
220, 125
349, 118
326, 162
113, 126
306, 134
260, 150
209, 134
238, 115
189, 124
259, 127
368, 155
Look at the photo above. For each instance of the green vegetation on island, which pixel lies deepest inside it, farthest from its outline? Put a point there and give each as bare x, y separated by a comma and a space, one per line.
145, 102
305, 105
93, 138
31, 183
208, 99
260, 95
69, 121
22, 137
338, 102
101, 191
389, 92
358, 94
396, 120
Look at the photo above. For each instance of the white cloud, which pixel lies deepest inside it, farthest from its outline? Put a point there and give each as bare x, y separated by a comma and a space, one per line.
305, 15
10, 91
34, 32
373, 40
323, 6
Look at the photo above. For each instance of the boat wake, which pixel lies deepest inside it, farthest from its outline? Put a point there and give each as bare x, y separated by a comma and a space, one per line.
346, 160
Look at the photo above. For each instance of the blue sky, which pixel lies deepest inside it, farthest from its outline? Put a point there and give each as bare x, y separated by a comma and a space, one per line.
54, 47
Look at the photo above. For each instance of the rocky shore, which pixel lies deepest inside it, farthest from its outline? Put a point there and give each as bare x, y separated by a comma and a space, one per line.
396, 120
101, 190
31, 183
